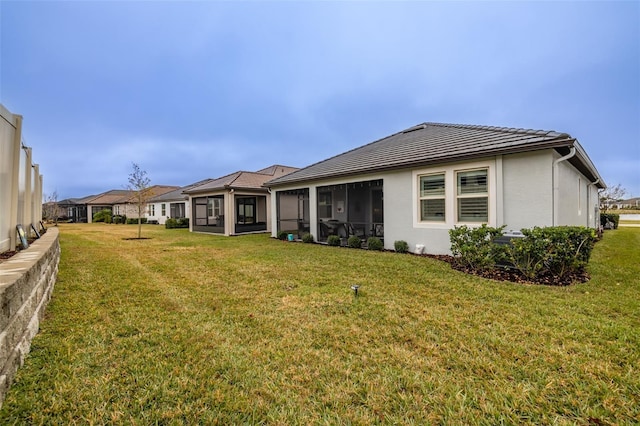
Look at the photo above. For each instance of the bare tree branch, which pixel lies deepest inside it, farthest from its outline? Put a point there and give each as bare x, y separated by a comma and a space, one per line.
139, 185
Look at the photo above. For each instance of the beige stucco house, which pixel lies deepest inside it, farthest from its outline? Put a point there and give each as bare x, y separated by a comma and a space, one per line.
234, 204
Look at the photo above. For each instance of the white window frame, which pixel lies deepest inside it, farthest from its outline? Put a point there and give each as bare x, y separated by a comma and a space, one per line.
460, 196
451, 198
422, 197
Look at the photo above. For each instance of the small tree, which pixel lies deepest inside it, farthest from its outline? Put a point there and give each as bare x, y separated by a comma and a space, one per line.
51, 211
609, 194
139, 186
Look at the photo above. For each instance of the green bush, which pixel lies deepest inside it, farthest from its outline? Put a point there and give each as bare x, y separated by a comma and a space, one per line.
282, 235
401, 246
557, 250
354, 242
475, 248
609, 217
134, 220
171, 223
103, 216
333, 240
374, 243
307, 238
119, 219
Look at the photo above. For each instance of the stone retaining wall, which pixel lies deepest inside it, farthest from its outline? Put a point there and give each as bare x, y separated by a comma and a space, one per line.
26, 283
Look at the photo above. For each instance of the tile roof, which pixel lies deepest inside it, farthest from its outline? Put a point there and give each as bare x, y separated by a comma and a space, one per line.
243, 180
178, 194
433, 143
110, 197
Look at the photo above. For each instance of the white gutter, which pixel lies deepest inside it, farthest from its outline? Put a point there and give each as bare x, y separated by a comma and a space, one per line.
556, 187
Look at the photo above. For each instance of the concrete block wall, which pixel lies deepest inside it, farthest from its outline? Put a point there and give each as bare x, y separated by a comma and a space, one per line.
26, 283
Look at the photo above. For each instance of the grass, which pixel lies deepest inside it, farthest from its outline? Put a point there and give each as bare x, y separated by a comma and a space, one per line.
190, 328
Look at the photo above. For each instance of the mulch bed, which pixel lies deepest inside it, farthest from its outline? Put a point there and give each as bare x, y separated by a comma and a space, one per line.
7, 254
513, 275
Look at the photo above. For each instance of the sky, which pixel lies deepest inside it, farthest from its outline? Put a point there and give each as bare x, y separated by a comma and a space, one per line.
199, 89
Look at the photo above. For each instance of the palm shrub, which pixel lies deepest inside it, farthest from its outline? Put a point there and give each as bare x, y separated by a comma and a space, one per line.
103, 216
354, 242
374, 243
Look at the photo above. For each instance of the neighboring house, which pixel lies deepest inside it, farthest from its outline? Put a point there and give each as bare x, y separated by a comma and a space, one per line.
234, 204
105, 201
174, 204
74, 209
127, 205
417, 184
631, 203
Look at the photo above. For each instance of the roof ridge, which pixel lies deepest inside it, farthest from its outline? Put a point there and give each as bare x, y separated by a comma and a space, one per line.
504, 129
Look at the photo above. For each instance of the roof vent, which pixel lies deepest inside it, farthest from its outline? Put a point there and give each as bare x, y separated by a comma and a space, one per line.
414, 128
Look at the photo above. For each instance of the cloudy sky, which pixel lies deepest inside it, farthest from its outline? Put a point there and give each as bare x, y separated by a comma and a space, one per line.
192, 90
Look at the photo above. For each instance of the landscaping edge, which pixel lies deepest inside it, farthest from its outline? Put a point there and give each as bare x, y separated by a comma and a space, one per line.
26, 284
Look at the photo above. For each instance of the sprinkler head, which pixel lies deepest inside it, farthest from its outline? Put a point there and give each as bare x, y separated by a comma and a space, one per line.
355, 288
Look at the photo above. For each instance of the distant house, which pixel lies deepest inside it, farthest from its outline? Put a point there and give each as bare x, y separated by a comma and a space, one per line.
417, 184
173, 204
74, 209
234, 204
127, 204
105, 201
631, 203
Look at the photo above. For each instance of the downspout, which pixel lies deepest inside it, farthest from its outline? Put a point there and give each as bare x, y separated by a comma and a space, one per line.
596, 219
556, 186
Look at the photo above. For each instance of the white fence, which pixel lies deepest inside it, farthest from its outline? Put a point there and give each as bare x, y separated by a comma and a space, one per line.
20, 183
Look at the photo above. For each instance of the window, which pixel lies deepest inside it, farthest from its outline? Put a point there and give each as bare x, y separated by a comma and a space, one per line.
447, 195
246, 210
214, 208
152, 209
164, 209
325, 206
432, 198
177, 210
472, 196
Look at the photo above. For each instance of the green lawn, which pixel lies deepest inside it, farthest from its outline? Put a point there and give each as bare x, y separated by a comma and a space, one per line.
188, 328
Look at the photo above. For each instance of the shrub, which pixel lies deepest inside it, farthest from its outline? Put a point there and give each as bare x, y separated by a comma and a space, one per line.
119, 219
171, 223
374, 243
102, 216
558, 250
475, 248
282, 235
609, 217
333, 240
307, 238
134, 220
354, 242
401, 246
